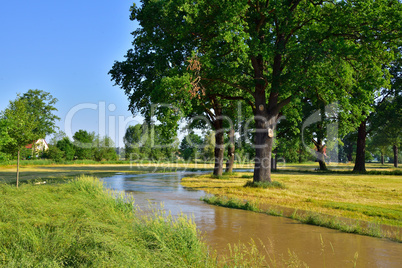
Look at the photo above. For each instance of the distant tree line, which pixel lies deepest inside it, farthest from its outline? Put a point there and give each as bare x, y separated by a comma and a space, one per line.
85, 146
147, 142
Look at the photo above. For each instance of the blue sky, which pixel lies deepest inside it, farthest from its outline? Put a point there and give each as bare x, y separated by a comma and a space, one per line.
67, 48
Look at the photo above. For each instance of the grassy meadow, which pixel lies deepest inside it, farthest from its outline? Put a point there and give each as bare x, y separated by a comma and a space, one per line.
79, 224
355, 203
38, 170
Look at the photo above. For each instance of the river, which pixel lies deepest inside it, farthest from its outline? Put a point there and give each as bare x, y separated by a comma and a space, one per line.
316, 246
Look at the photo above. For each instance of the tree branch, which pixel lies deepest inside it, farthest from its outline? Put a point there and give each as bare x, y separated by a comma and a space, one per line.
234, 98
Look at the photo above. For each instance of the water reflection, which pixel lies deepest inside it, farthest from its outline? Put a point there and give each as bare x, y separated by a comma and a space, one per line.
222, 226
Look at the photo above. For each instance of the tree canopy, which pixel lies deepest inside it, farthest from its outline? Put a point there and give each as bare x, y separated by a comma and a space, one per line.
268, 54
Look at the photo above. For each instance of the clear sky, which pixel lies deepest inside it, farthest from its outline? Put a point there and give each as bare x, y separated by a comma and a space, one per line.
67, 48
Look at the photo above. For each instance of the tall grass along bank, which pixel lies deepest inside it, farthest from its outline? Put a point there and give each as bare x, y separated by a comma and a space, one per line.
80, 224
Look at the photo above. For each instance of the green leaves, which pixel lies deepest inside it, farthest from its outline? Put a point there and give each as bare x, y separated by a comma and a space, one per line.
20, 125
42, 106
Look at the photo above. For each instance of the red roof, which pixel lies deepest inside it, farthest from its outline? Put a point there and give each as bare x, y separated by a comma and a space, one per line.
29, 146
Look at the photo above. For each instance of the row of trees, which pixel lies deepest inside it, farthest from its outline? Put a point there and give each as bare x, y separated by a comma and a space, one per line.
280, 59
85, 146
144, 141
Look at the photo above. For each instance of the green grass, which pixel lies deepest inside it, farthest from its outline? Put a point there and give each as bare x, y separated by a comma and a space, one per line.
79, 224
357, 203
265, 184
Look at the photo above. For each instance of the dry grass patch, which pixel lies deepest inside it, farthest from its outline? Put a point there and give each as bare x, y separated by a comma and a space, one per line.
373, 198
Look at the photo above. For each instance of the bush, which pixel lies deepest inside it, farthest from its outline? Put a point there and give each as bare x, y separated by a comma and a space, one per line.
265, 184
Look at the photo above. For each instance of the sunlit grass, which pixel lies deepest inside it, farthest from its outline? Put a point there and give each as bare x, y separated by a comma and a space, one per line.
80, 224
309, 166
61, 172
373, 198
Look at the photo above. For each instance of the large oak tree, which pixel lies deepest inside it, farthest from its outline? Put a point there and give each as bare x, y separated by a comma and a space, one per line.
257, 51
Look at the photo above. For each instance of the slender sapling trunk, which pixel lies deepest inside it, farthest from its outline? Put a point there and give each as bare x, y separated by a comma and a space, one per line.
18, 167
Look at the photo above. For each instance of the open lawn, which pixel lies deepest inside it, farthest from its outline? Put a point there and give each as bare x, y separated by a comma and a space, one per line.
30, 171
316, 198
310, 166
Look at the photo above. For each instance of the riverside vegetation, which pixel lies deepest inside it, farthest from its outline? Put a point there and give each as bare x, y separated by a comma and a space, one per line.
82, 224
356, 203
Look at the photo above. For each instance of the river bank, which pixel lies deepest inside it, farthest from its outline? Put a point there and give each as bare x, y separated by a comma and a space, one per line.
353, 203
80, 224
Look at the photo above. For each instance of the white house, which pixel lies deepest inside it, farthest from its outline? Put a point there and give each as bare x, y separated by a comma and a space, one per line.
39, 145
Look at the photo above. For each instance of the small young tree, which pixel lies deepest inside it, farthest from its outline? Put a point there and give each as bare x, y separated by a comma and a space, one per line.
41, 105
20, 127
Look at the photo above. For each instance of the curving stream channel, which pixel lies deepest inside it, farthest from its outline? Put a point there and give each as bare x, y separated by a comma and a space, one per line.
316, 246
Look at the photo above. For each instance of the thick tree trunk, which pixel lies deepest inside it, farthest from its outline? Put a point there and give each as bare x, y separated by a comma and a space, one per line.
231, 152
18, 167
266, 112
219, 143
320, 155
360, 163
323, 165
262, 166
395, 149
382, 159
263, 143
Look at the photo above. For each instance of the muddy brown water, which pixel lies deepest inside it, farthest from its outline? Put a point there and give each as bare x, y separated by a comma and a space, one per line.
316, 246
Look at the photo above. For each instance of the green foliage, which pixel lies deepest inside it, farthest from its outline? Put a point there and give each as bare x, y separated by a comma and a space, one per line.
271, 55
29, 118
67, 147
148, 143
84, 144
55, 154
190, 146
208, 149
41, 105
105, 149
20, 125
4, 139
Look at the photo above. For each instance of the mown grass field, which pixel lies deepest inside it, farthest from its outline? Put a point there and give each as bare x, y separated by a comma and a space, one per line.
316, 198
40, 171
